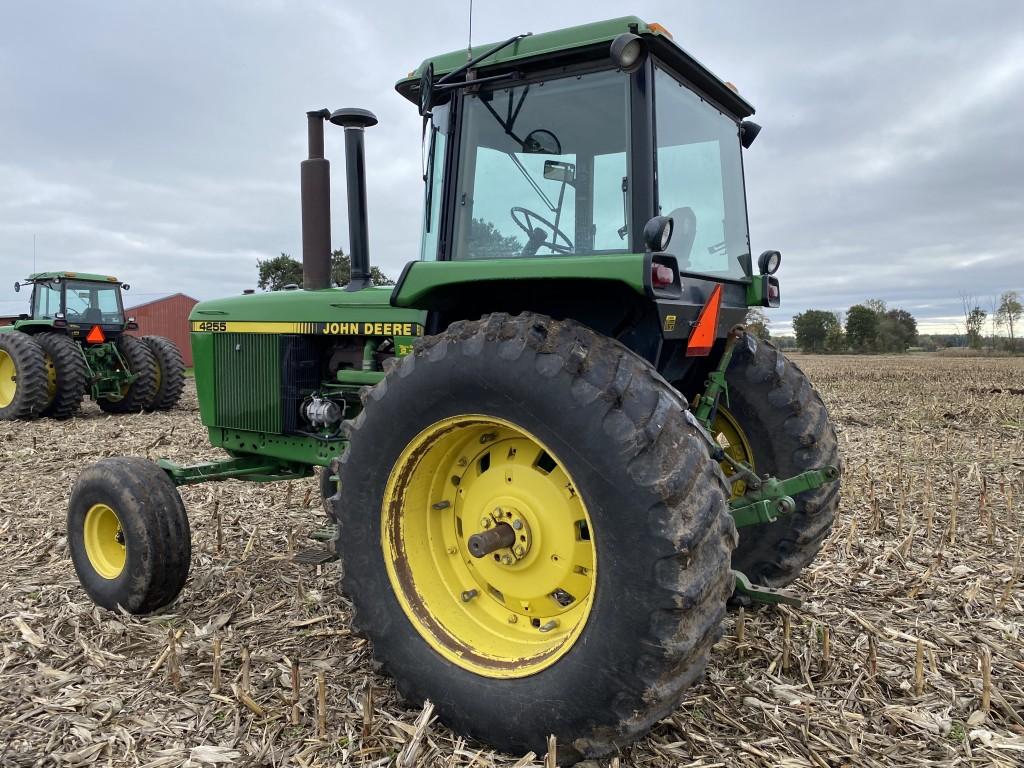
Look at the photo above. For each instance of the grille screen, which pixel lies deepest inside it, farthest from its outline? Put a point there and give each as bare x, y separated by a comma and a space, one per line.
248, 381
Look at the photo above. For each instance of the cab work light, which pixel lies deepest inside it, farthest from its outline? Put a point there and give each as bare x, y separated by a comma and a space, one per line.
702, 338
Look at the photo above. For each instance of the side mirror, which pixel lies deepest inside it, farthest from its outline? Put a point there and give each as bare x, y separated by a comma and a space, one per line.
427, 90
125, 287
17, 287
555, 170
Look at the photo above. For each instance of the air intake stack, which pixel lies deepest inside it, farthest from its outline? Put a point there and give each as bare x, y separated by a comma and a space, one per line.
354, 120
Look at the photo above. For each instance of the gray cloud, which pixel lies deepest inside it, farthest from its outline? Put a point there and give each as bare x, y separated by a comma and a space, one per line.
160, 142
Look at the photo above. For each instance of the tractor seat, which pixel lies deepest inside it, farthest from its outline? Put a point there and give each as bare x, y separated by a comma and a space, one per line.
92, 315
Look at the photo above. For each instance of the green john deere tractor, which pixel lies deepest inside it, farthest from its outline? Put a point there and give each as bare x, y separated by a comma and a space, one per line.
551, 452
73, 343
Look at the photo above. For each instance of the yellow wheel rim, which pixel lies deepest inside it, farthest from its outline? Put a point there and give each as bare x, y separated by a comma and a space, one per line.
8, 379
731, 437
516, 610
51, 380
104, 541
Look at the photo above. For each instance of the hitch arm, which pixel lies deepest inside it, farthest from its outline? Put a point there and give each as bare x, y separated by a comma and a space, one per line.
774, 498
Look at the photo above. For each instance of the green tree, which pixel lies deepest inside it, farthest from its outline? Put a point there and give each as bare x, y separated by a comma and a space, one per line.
861, 328
276, 273
835, 339
341, 271
757, 323
812, 329
975, 322
897, 331
1009, 313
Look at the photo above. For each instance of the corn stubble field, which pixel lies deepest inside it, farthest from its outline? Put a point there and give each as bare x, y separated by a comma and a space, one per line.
908, 650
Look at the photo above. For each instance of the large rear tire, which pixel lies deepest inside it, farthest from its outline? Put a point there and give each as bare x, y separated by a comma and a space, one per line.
137, 395
170, 372
128, 534
67, 373
24, 386
601, 609
785, 422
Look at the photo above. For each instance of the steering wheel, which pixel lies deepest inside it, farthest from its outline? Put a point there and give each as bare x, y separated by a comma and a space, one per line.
527, 221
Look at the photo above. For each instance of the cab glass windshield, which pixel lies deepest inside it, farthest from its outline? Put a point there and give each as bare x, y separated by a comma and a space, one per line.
543, 169
92, 302
700, 181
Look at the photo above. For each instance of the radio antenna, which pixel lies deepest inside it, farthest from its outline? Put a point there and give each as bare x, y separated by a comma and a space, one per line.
469, 47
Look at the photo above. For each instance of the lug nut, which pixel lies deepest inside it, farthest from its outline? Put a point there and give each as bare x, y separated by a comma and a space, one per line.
513, 619
485, 522
506, 559
468, 595
517, 524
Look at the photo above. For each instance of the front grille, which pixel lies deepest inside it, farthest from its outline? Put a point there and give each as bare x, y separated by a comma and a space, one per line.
248, 381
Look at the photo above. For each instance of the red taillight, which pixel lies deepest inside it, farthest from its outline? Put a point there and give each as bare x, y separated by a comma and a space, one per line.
96, 335
662, 276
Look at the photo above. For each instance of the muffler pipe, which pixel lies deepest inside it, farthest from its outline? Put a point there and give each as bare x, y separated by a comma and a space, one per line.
354, 120
315, 186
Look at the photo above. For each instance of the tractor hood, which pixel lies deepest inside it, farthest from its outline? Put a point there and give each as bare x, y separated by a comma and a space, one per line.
331, 305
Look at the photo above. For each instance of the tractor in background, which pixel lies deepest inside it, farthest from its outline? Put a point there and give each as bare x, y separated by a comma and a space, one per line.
73, 343
552, 452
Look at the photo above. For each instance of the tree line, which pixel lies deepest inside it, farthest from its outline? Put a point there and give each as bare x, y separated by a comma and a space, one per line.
281, 271
869, 327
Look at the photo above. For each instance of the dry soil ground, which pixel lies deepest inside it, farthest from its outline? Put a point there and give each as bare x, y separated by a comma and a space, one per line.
915, 602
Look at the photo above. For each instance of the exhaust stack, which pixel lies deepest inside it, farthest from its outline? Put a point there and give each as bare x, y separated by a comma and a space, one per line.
354, 120
315, 185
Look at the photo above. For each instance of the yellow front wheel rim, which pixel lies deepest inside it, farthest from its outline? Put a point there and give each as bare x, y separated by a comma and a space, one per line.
733, 439
104, 541
516, 610
8, 379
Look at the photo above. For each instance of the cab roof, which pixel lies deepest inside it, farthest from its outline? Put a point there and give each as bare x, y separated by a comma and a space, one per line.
73, 276
548, 45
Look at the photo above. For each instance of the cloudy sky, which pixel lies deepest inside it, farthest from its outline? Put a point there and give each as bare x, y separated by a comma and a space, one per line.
160, 141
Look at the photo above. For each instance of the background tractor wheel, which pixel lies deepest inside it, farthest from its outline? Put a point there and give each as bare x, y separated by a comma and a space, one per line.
129, 535
23, 382
67, 374
783, 421
550, 552
170, 372
140, 393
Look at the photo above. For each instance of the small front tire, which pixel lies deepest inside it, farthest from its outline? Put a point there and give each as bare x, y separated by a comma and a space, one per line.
128, 534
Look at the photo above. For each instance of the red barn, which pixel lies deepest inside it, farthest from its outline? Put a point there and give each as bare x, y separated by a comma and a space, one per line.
166, 317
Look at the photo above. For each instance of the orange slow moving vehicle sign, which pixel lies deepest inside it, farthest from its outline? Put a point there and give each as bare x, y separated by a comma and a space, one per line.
96, 335
703, 336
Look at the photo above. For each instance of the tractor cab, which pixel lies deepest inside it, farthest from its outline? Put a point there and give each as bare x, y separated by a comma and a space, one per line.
605, 147
546, 148
87, 307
